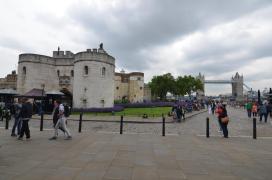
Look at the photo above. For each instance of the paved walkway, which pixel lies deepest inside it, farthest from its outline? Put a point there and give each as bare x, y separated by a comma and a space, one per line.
103, 154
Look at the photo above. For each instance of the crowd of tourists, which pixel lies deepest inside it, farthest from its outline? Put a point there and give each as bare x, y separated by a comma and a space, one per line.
262, 109
22, 111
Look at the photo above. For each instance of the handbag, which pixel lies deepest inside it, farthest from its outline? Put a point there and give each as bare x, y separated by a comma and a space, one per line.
225, 119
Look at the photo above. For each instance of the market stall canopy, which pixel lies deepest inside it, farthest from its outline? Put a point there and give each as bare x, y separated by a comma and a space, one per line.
34, 93
8, 91
55, 92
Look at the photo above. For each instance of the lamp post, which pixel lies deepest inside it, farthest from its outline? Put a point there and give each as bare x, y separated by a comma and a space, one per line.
41, 123
42, 103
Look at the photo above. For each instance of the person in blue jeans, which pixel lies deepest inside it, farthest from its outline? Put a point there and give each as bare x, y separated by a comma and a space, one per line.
17, 120
223, 113
263, 112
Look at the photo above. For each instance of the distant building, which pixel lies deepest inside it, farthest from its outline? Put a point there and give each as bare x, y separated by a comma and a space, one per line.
9, 82
129, 86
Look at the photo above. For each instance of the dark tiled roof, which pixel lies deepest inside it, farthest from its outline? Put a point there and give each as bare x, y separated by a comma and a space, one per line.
35, 93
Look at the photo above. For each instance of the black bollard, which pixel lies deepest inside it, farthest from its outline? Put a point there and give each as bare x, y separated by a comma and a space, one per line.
163, 125
207, 128
41, 122
254, 129
121, 125
7, 122
80, 122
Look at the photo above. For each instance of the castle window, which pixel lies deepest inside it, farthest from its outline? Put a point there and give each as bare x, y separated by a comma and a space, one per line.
86, 70
24, 70
103, 71
117, 87
139, 78
58, 72
72, 73
141, 88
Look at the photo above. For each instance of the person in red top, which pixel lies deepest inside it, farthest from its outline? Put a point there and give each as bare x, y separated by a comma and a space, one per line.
218, 110
254, 110
222, 113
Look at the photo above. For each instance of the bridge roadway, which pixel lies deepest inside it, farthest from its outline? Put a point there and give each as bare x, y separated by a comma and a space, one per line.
219, 81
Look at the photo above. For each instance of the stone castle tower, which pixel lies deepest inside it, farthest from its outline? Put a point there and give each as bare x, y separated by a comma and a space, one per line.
88, 76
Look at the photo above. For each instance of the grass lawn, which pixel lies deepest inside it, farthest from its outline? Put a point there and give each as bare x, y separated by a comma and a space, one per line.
152, 111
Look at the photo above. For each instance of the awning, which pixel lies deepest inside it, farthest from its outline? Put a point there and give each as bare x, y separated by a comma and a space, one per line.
34, 93
55, 92
8, 91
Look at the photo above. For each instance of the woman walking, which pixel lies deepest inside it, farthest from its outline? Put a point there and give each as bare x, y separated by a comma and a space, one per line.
223, 117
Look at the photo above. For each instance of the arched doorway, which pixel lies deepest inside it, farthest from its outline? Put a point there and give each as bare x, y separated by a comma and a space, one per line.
68, 97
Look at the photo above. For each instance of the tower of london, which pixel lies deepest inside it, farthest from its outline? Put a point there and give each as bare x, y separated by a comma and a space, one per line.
88, 76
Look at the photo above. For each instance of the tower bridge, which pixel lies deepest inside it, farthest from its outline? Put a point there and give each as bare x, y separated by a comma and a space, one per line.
237, 83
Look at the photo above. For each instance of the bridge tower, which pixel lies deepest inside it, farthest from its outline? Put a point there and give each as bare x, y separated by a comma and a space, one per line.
237, 85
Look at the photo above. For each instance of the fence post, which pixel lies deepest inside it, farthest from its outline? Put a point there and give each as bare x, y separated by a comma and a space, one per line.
254, 129
121, 125
207, 128
41, 122
7, 122
163, 125
80, 122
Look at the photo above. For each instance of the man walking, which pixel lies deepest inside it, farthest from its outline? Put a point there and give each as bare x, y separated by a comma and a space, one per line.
249, 108
25, 114
56, 114
61, 123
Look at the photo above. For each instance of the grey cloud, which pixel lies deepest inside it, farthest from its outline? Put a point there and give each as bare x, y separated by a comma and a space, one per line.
153, 23
12, 43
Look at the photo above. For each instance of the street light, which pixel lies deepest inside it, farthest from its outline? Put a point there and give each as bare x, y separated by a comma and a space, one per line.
43, 85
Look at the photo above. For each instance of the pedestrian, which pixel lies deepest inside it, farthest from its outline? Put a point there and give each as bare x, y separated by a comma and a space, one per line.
223, 117
249, 108
56, 114
17, 119
25, 115
263, 112
209, 109
218, 112
61, 123
213, 107
179, 112
254, 110
269, 109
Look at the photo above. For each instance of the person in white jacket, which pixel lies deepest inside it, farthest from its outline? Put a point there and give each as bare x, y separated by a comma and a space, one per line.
61, 123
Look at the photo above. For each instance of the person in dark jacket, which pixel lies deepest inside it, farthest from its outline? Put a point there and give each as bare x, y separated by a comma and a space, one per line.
17, 120
263, 112
25, 115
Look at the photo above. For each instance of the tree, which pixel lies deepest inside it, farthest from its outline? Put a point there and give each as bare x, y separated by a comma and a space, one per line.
187, 85
162, 84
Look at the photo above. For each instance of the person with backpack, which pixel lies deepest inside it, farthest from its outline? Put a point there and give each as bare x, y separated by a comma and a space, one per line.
25, 115
56, 114
61, 122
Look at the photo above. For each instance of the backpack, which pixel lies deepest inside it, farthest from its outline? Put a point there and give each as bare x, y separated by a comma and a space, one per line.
66, 111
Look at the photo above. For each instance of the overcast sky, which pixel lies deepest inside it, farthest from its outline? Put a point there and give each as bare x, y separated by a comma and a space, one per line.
215, 37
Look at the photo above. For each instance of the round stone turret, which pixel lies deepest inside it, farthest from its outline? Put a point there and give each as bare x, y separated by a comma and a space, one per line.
93, 79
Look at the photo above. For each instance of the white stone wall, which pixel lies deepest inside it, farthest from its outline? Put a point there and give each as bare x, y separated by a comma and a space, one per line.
93, 89
39, 70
